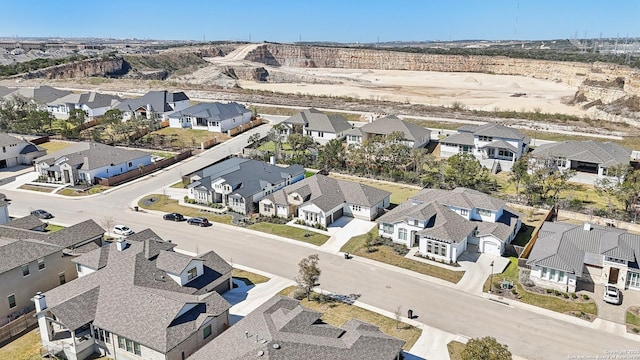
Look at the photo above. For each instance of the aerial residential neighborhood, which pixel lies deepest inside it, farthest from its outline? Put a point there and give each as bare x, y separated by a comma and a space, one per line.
222, 181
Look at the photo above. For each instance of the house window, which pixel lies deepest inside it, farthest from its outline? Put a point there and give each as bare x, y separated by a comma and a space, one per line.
309, 133
4, 149
485, 138
561, 276
320, 134
40, 264
552, 275
62, 278
544, 273
136, 349
79, 268
464, 212
130, 164
484, 212
402, 234
429, 247
443, 249
464, 148
206, 332
387, 228
25, 270
192, 273
12, 300
121, 342
561, 162
129, 345
633, 279
267, 207
505, 153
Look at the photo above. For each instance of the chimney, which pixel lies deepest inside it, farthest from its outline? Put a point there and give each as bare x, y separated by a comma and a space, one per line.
41, 302
586, 226
121, 244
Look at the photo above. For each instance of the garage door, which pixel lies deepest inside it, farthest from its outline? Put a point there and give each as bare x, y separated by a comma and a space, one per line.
490, 247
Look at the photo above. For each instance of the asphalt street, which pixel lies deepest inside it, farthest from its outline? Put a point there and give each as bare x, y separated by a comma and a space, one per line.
528, 334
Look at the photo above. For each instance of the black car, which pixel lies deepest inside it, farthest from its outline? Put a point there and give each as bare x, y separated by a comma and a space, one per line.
42, 214
200, 221
173, 217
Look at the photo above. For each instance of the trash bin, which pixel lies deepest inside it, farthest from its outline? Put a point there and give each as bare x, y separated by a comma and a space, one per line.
346, 255
410, 314
135, 208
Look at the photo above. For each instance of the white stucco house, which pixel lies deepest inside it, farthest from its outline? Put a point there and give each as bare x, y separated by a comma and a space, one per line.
322, 200
316, 124
216, 117
565, 254
488, 143
442, 223
94, 104
85, 162
414, 136
239, 183
154, 105
17, 151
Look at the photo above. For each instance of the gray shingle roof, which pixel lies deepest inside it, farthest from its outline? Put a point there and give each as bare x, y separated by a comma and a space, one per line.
606, 154
389, 124
213, 111
447, 226
327, 193
173, 262
158, 101
78, 310
29, 222
493, 130
461, 197
316, 120
566, 246
93, 100
282, 329
133, 285
6, 140
41, 95
89, 156
500, 144
20, 252
459, 138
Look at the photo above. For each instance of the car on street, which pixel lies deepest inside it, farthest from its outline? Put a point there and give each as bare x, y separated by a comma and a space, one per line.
42, 214
173, 217
611, 295
122, 230
199, 221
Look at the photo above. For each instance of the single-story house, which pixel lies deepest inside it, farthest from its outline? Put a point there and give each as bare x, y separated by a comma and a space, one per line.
216, 117
414, 136
442, 223
40, 95
93, 103
322, 200
154, 105
585, 157
85, 162
239, 183
564, 254
147, 301
281, 328
320, 126
18, 151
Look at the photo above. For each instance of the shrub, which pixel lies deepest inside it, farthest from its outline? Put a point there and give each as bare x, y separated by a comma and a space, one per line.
585, 296
556, 292
635, 330
186, 198
524, 278
298, 294
574, 296
549, 291
514, 292
566, 296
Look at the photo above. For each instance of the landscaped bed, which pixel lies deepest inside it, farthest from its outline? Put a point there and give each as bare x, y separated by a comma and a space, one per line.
45, 189
96, 189
249, 278
633, 319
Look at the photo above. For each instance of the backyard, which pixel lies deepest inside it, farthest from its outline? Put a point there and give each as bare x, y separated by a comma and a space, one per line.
399, 192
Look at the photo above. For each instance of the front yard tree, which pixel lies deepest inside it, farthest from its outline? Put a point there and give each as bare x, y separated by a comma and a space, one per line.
332, 156
112, 116
308, 274
612, 186
465, 170
519, 172
486, 348
252, 140
77, 117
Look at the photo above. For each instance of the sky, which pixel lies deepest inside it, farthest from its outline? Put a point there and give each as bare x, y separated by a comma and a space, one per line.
363, 21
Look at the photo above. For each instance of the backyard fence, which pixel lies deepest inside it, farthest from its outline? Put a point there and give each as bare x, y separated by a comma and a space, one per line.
17, 327
244, 127
144, 170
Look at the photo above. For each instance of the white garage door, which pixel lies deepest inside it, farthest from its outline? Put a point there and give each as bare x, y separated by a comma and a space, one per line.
490, 247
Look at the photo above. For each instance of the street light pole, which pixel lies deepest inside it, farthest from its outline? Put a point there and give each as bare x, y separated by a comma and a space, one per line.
491, 278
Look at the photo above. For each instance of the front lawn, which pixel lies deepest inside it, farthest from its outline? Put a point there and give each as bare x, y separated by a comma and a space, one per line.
290, 232
399, 192
551, 302
166, 204
455, 350
356, 246
249, 278
186, 137
337, 313
96, 189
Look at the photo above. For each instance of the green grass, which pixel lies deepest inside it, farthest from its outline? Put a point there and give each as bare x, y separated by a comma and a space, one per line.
168, 205
632, 318
179, 185
309, 174
337, 313
290, 232
385, 254
53, 228
455, 350
45, 189
96, 189
188, 136
399, 193
551, 302
26, 347
435, 124
248, 277
53, 146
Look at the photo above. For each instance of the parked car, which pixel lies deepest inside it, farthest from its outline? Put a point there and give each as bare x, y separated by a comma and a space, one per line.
122, 230
42, 214
611, 294
200, 221
173, 217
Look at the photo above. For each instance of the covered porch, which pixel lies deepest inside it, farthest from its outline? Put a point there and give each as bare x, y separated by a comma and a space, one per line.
499, 149
70, 344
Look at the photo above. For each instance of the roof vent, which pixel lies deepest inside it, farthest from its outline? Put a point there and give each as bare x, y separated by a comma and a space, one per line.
246, 334
260, 353
586, 226
276, 346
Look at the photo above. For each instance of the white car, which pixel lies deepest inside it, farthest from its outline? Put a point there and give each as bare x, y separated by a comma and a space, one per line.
611, 294
122, 230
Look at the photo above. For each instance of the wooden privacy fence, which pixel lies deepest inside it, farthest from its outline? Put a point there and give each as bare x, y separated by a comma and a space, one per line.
40, 140
130, 175
244, 127
17, 327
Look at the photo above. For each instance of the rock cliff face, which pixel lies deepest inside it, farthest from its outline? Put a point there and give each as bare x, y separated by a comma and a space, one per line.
112, 66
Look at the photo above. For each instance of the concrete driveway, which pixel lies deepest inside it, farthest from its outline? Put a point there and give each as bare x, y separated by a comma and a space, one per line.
478, 268
615, 313
344, 229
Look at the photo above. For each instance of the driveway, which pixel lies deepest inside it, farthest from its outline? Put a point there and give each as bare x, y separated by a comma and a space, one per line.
478, 268
615, 313
344, 229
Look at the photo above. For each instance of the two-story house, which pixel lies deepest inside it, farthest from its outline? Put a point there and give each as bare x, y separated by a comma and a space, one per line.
17, 151
215, 117
488, 143
316, 124
154, 105
146, 302
86, 162
93, 103
239, 183
443, 223
565, 254
414, 136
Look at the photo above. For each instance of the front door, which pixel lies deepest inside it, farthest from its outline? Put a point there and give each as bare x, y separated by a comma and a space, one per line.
67, 178
613, 275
